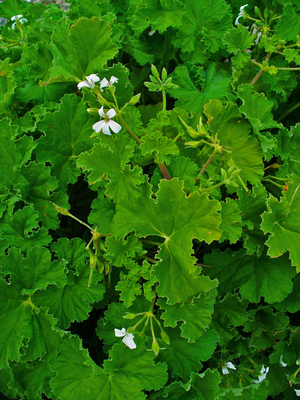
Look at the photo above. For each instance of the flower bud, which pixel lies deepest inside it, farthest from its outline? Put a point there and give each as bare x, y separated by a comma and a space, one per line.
165, 337
61, 210
154, 71
129, 316
155, 347
92, 110
135, 99
164, 74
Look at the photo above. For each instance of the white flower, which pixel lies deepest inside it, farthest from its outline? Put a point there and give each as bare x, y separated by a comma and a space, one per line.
262, 375
105, 83
107, 123
127, 339
297, 392
226, 366
281, 361
18, 17
241, 14
89, 82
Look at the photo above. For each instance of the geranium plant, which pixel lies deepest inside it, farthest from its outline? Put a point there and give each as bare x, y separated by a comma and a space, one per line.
150, 201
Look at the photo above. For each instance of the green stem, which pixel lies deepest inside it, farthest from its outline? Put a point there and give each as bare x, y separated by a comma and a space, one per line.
164, 97
129, 130
164, 171
206, 164
288, 112
257, 76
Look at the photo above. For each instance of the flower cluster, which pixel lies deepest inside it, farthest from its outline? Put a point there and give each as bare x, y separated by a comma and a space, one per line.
17, 18
106, 124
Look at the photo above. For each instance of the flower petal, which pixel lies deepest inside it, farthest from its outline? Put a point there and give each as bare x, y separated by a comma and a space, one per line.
128, 340
98, 126
297, 392
111, 113
225, 371
103, 83
230, 365
93, 78
101, 112
113, 80
105, 128
82, 84
114, 126
120, 333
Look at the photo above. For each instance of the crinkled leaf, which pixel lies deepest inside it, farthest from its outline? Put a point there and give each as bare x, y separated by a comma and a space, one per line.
257, 108
127, 371
254, 277
36, 271
231, 221
119, 250
288, 148
292, 302
184, 358
157, 14
7, 85
195, 315
160, 147
107, 161
82, 49
74, 301
172, 216
228, 314
204, 24
192, 98
73, 251
282, 221
288, 26
39, 189
238, 38
252, 206
67, 135
22, 229
103, 211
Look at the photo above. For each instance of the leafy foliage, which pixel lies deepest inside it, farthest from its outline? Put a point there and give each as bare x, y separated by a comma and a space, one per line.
149, 213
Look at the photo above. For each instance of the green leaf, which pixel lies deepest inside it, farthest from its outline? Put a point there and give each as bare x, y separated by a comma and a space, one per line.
195, 315
282, 222
251, 392
238, 38
67, 135
292, 302
22, 322
257, 108
184, 358
252, 205
228, 314
37, 190
263, 335
204, 25
7, 85
14, 153
158, 14
31, 379
172, 216
189, 97
288, 26
233, 132
36, 271
73, 251
231, 221
119, 251
22, 229
288, 147
107, 161
160, 147
254, 277
74, 301
83, 49
103, 211
126, 372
